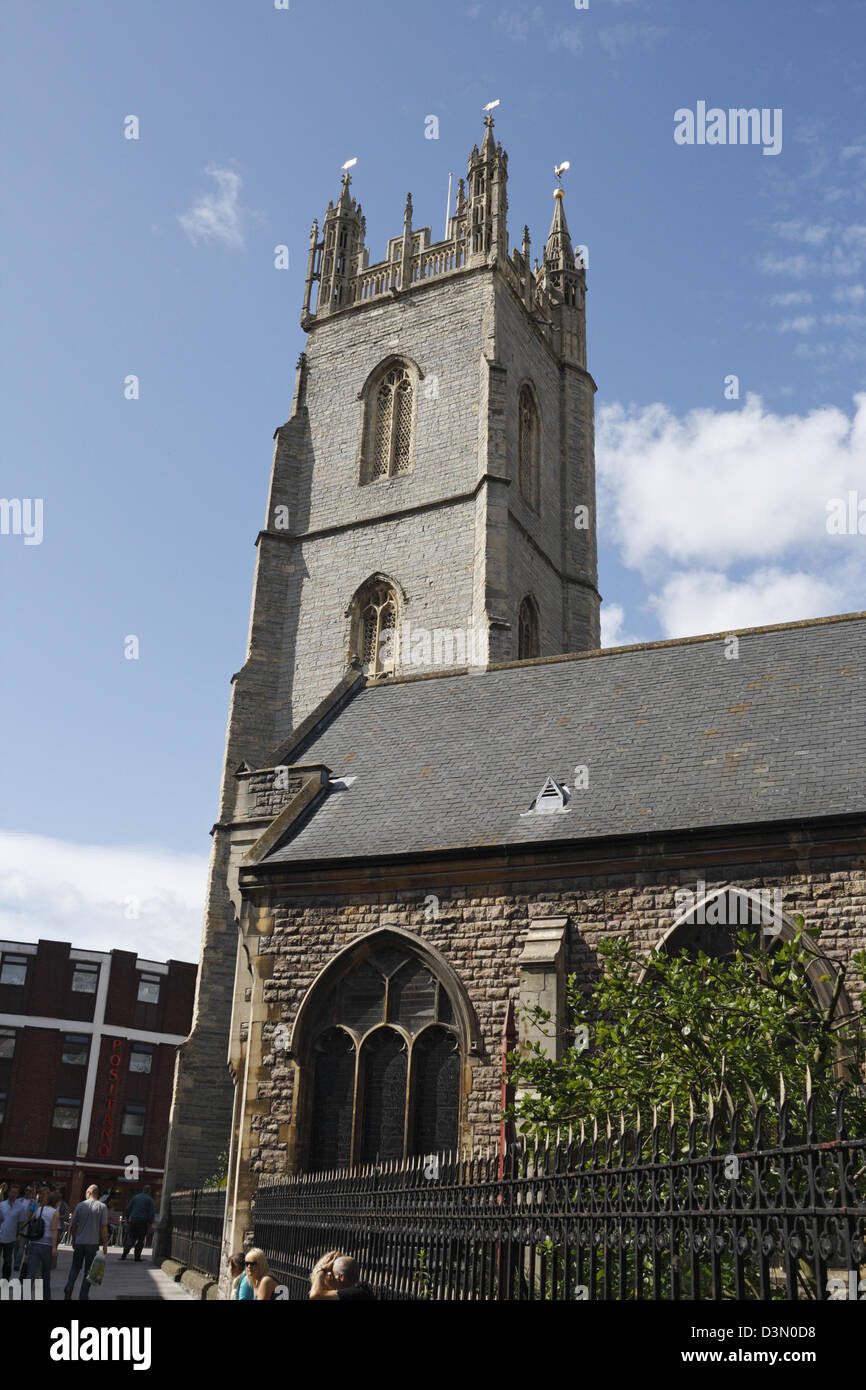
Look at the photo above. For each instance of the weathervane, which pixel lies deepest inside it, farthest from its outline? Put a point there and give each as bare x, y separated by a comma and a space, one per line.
559, 170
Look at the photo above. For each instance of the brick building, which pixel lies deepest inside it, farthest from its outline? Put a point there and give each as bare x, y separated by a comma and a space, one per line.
438, 793
88, 1042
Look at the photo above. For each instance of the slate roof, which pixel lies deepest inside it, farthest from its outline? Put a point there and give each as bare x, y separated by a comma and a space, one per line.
673, 735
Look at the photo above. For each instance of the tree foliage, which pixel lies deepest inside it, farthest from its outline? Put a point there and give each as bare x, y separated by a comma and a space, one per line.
688, 1026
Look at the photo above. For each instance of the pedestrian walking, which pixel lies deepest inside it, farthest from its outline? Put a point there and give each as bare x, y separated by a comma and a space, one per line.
340, 1279
259, 1277
87, 1229
14, 1211
30, 1199
41, 1236
140, 1211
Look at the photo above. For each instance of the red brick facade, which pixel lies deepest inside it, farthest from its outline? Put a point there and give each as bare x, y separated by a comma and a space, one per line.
87, 1054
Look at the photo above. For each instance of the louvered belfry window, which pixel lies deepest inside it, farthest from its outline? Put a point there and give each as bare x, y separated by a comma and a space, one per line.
375, 624
385, 1065
390, 450
528, 447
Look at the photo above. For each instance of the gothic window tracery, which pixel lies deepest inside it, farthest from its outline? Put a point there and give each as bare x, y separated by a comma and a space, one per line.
384, 1064
390, 407
528, 446
374, 628
528, 630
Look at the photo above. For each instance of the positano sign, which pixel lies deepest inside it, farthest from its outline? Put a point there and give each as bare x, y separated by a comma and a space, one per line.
114, 1062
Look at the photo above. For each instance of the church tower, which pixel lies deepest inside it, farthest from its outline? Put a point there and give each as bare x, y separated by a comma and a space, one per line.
432, 505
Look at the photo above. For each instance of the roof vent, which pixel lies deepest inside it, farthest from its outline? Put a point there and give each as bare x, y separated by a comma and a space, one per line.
554, 796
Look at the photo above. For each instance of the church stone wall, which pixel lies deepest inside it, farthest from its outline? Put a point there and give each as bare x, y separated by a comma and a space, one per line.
555, 549
429, 555
440, 327
343, 531
481, 931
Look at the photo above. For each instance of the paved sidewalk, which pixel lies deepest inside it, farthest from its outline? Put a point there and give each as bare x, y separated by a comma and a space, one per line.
124, 1279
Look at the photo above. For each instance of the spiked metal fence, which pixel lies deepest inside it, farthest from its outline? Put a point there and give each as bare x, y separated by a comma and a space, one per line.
754, 1203
197, 1218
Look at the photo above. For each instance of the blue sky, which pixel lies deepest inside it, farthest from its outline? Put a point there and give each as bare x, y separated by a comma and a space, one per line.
155, 257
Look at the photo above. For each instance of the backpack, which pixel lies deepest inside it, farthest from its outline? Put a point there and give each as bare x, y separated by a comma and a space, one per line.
35, 1228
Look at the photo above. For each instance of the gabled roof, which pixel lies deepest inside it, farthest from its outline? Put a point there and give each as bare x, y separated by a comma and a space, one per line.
673, 736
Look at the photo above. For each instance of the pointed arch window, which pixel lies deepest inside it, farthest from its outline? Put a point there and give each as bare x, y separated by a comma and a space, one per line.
390, 408
528, 630
374, 628
721, 920
385, 1063
528, 446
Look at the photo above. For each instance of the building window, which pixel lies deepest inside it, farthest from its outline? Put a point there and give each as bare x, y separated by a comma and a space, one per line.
133, 1119
374, 628
385, 1062
140, 1058
7, 1043
528, 446
528, 641
76, 1049
148, 989
731, 917
13, 970
85, 977
67, 1114
388, 414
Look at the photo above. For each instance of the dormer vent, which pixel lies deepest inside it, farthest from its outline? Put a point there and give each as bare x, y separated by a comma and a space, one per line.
554, 796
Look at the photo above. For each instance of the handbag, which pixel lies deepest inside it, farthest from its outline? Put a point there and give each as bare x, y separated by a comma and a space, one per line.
35, 1227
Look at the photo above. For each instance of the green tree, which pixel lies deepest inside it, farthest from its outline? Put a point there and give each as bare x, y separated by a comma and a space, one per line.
219, 1178
688, 1026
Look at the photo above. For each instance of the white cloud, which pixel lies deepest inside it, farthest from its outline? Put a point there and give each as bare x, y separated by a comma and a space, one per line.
709, 601
833, 250
85, 894
613, 629
804, 323
736, 484
724, 513
570, 39
616, 39
217, 216
796, 266
803, 232
855, 321
522, 24
784, 301
849, 294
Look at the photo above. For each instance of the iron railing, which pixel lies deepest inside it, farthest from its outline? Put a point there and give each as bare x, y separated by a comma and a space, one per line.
195, 1238
742, 1204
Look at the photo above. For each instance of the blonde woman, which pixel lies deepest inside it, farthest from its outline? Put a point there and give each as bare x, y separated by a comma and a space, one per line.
259, 1277
322, 1274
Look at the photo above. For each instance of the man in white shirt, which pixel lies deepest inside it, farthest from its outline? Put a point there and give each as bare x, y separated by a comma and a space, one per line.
88, 1227
13, 1215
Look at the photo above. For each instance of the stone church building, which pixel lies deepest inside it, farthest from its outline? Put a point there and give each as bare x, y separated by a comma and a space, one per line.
439, 794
